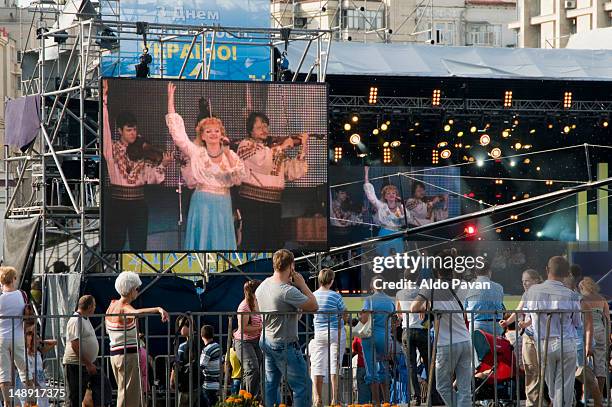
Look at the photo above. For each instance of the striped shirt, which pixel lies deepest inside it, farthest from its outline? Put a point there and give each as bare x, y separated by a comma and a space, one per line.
329, 301
122, 332
255, 320
210, 364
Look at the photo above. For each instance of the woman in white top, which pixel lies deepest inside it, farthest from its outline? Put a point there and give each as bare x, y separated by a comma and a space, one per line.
12, 339
214, 168
390, 214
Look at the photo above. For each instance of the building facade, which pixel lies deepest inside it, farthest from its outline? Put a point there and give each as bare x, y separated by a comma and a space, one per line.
550, 23
454, 22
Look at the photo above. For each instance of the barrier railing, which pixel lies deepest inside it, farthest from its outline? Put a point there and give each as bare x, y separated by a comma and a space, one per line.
392, 354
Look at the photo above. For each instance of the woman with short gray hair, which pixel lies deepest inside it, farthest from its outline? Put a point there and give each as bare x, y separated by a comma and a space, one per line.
123, 334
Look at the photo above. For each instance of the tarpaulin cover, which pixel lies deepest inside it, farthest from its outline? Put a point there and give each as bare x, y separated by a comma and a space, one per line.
378, 59
22, 117
19, 240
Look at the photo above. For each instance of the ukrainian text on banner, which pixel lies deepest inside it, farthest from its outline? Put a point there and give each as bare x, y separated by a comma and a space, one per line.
235, 55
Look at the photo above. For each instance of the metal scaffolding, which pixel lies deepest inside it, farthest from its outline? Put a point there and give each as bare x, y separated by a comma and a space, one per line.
57, 177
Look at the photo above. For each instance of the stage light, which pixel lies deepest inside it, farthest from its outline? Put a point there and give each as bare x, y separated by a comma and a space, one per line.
386, 155
512, 163
479, 162
566, 129
549, 182
532, 131
499, 181
447, 127
537, 168
460, 134
470, 230
446, 154
550, 125
605, 123
506, 133
513, 217
355, 118
508, 98
525, 196
458, 145
361, 155
567, 100
347, 126
451, 121
527, 146
386, 144
435, 156
435, 98
526, 161
412, 145
375, 132
388, 122
384, 126
496, 152
515, 122
442, 144
518, 146
337, 154
468, 146
539, 234
573, 126
355, 139
395, 143
485, 140
417, 124
471, 159
498, 230
473, 129
373, 99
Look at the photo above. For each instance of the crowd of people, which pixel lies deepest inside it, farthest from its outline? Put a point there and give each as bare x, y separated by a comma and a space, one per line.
417, 346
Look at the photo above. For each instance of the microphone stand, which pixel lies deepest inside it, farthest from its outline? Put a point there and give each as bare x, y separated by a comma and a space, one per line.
179, 190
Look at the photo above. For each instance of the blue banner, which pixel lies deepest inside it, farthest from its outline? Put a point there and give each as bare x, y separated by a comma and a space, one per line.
240, 60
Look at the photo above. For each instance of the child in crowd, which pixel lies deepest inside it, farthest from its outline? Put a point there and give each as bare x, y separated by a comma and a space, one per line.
210, 365
236, 371
184, 376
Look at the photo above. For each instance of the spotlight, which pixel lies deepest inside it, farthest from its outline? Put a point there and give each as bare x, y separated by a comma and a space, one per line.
355, 139
566, 129
347, 126
451, 121
479, 162
496, 152
470, 230
512, 163
373, 99
518, 146
384, 126
485, 140
506, 133
337, 154
513, 217
539, 234
567, 100
508, 99
446, 154
605, 123
499, 181
395, 143
435, 156
386, 144
526, 230
573, 126
435, 98
526, 161
473, 129
537, 168
386, 155
549, 182
447, 127
442, 144
515, 122
375, 132
550, 125
527, 146
354, 118
460, 134
388, 122
532, 131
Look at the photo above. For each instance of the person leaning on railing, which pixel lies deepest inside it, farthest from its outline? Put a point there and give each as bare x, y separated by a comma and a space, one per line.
12, 338
123, 334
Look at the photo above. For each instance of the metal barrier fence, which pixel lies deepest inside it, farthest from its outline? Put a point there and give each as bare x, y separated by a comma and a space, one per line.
388, 353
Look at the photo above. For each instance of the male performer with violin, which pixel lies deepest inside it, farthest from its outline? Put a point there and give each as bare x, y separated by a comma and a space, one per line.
131, 163
268, 167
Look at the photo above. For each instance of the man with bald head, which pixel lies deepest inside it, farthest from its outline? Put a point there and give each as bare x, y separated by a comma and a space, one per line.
552, 295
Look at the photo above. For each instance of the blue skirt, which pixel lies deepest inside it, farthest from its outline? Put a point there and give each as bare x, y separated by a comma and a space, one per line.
210, 223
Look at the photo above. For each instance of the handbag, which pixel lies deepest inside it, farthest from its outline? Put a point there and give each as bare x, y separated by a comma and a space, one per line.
363, 330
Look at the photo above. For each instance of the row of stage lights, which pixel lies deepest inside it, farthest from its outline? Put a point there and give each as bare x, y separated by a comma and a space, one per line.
436, 98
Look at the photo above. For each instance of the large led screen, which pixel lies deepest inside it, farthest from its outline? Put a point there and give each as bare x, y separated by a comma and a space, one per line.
197, 166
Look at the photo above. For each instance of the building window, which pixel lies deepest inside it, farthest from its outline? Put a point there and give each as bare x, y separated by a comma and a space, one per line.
362, 20
444, 32
487, 35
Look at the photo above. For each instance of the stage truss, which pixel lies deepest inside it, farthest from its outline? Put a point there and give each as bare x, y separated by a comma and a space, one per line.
62, 65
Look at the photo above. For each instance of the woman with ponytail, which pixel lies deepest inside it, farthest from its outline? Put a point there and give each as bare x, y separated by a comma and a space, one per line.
213, 169
246, 339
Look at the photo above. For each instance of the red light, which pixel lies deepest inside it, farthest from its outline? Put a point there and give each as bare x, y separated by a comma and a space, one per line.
471, 195
470, 230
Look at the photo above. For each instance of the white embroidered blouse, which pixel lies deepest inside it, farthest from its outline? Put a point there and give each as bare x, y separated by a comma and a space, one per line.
121, 170
203, 172
385, 217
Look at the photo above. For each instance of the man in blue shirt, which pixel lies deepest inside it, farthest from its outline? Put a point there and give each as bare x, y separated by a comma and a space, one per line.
483, 302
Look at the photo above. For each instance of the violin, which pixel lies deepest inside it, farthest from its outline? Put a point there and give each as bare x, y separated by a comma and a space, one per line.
142, 150
297, 140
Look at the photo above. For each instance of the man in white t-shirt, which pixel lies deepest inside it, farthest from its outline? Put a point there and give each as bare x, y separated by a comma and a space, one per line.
80, 354
453, 352
12, 340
